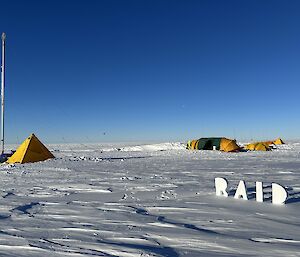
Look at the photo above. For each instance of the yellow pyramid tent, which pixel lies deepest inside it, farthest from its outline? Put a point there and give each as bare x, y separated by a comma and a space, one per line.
31, 150
278, 141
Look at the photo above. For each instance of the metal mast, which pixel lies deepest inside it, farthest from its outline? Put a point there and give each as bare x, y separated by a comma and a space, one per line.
2, 91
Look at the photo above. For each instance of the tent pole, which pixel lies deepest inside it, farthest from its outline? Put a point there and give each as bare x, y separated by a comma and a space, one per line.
2, 91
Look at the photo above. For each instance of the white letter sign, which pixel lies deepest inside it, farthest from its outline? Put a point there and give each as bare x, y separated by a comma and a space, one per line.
221, 186
241, 191
279, 194
259, 192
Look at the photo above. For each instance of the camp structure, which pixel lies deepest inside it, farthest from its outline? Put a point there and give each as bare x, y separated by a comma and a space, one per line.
264, 145
258, 146
214, 143
31, 150
278, 141
268, 143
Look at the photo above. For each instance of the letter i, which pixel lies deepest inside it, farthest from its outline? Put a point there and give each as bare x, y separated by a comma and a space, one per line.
259, 192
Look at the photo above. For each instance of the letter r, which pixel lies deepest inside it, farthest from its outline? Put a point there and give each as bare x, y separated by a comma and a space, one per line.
221, 186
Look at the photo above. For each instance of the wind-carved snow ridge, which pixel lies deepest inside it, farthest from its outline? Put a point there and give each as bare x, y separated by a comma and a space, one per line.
164, 220
24, 209
157, 250
143, 200
276, 241
65, 248
100, 159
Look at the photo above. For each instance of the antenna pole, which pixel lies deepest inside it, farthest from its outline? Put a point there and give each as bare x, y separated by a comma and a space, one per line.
2, 91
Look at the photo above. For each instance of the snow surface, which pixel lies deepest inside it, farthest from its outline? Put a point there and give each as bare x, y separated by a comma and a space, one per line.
148, 200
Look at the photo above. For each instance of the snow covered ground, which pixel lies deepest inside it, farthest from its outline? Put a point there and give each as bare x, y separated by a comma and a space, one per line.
148, 200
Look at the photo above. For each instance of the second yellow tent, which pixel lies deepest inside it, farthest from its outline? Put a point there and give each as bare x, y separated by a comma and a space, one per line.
257, 147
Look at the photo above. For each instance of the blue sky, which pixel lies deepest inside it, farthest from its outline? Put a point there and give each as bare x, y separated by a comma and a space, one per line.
98, 71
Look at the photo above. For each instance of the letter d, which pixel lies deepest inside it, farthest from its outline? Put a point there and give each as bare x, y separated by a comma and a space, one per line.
279, 194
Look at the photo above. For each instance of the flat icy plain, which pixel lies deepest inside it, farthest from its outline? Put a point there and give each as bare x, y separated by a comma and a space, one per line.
148, 200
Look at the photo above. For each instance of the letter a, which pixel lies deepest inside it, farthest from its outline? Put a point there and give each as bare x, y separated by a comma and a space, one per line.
241, 191
221, 186
279, 194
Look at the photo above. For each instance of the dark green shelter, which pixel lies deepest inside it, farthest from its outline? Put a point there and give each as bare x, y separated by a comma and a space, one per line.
209, 143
